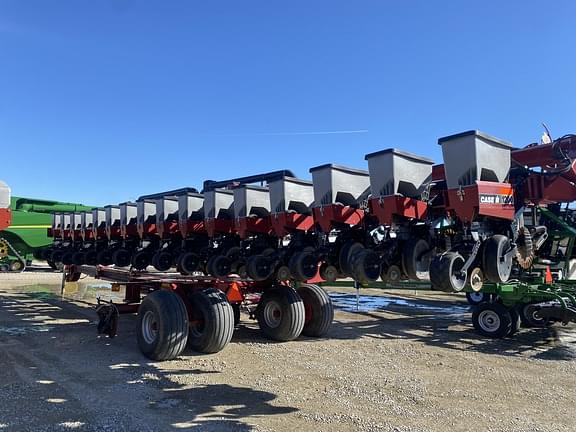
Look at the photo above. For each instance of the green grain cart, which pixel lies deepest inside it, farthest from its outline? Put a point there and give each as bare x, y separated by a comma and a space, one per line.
26, 237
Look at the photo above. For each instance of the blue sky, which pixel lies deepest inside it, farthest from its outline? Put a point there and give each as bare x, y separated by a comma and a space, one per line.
105, 101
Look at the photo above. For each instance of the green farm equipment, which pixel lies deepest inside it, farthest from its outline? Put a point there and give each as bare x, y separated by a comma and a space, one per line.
26, 237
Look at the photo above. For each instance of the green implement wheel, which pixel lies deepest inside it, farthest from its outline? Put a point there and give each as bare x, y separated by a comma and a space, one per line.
492, 320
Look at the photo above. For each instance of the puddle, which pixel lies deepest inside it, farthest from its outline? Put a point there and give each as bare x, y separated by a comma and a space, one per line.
20, 331
369, 303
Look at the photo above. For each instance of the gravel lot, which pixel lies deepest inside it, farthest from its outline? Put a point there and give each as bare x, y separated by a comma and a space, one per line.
404, 362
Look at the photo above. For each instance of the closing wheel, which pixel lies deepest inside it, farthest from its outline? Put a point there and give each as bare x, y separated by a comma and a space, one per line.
188, 263
328, 272
91, 257
346, 257
475, 298
280, 314
141, 260
259, 267
211, 322
416, 259
162, 261
318, 310
446, 274
529, 314
68, 257
56, 256
492, 320
303, 266
497, 261
218, 266
79, 258
104, 257
121, 257
162, 329
366, 265
390, 274
283, 273
16, 266
476, 279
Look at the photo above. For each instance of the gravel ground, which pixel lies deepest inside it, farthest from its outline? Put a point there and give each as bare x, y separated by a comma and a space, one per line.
403, 362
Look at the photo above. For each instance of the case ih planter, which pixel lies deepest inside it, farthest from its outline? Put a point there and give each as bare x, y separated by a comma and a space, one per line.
400, 183
339, 211
194, 238
487, 214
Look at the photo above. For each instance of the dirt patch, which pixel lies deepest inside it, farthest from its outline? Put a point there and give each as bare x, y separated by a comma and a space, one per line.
408, 362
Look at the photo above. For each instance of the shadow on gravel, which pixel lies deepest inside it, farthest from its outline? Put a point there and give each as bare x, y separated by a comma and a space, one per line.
446, 325
53, 356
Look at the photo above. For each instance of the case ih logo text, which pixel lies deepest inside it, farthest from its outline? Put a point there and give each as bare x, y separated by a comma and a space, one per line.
497, 199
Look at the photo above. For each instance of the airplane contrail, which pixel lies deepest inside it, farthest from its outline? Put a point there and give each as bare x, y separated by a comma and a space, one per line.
334, 132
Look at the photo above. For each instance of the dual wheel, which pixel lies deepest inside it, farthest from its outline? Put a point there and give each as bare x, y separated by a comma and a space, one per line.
493, 319
204, 320
447, 274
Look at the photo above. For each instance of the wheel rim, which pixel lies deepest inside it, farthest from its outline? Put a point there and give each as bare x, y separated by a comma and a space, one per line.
489, 321
457, 278
531, 314
476, 279
149, 327
476, 297
16, 266
272, 314
393, 274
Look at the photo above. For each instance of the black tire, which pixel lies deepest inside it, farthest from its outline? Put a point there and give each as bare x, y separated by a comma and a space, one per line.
188, 263
390, 274
79, 258
530, 318
318, 310
366, 265
162, 329
17, 266
476, 298
121, 257
303, 266
416, 266
91, 257
52, 265
219, 266
497, 269
212, 322
346, 256
259, 267
492, 320
104, 257
68, 257
162, 261
328, 272
56, 256
280, 314
141, 260
445, 272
